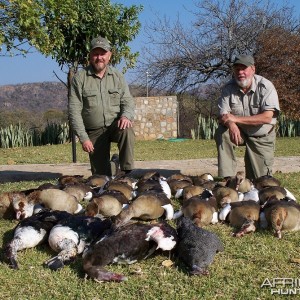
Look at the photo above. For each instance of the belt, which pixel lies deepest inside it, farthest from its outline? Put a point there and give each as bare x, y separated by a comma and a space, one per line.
266, 134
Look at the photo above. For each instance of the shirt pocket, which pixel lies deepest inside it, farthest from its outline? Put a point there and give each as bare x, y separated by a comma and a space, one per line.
236, 106
89, 98
114, 97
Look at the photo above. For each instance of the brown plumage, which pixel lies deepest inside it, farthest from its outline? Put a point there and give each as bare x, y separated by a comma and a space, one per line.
239, 182
54, 199
6, 206
69, 179
244, 216
97, 181
266, 181
200, 211
147, 206
282, 216
107, 204
267, 193
225, 195
78, 190
190, 191
122, 187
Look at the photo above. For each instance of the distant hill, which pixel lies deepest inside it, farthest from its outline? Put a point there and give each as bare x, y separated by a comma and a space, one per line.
34, 97
40, 96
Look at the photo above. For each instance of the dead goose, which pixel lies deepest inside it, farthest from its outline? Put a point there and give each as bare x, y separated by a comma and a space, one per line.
6, 206
239, 182
147, 206
30, 232
70, 237
53, 199
266, 181
196, 247
283, 215
242, 215
225, 195
128, 244
107, 204
200, 210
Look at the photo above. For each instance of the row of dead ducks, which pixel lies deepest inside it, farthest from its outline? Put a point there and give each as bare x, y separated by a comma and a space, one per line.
236, 200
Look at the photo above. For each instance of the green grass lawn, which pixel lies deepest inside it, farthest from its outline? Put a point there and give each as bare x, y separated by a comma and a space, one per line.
237, 273
144, 150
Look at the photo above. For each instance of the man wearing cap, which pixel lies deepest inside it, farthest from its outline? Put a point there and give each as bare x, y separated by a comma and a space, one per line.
248, 109
101, 111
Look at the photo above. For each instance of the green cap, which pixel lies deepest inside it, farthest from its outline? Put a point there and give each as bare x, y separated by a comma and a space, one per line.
246, 60
100, 42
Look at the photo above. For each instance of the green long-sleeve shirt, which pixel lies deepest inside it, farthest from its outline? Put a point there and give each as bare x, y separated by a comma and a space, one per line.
96, 102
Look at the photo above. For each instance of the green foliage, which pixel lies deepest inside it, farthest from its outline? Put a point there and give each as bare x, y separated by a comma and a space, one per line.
55, 134
19, 136
206, 128
64, 29
287, 127
15, 136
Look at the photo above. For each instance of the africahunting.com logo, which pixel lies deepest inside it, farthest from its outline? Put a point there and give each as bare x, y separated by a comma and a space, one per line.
282, 286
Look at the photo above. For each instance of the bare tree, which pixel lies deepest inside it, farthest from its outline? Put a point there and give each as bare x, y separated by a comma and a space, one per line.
278, 59
180, 59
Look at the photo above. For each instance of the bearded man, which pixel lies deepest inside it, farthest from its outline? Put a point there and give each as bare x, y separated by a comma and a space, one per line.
101, 111
248, 108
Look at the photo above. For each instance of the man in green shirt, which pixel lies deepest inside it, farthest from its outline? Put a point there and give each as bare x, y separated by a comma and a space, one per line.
101, 110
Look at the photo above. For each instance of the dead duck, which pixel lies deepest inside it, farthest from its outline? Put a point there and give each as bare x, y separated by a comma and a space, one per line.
81, 191
204, 180
266, 181
202, 211
70, 237
97, 181
242, 215
225, 195
147, 206
107, 204
153, 181
189, 191
266, 193
30, 232
196, 247
70, 179
53, 199
251, 195
122, 187
6, 206
127, 244
200, 179
239, 182
177, 182
283, 215
21, 205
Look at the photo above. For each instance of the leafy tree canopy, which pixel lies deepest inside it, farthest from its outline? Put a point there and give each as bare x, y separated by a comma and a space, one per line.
64, 29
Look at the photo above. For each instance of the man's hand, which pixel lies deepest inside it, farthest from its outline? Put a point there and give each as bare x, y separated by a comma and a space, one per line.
124, 123
88, 146
234, 133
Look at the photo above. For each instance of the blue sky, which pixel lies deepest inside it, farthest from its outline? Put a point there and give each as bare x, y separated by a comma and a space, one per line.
37, 68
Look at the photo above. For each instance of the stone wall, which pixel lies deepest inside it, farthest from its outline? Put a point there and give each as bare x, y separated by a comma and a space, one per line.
156, 117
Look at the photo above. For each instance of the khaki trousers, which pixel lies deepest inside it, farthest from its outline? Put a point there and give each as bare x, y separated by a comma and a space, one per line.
102, 139
259, 154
